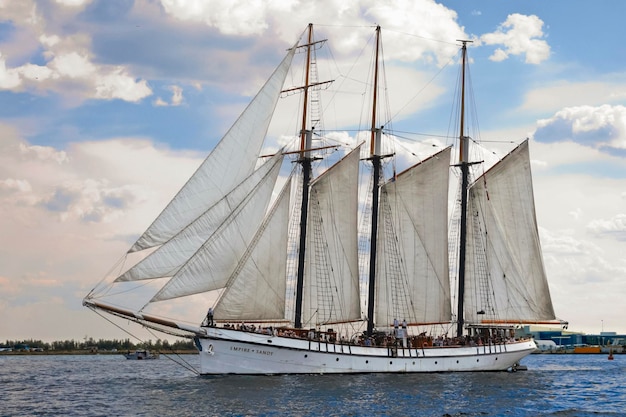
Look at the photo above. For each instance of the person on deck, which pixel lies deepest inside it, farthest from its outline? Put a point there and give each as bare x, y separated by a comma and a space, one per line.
209, 317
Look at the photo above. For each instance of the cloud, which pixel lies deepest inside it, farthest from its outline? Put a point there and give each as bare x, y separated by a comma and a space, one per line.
91, 201
74, 3
9, 77
69, 67
231, 17
602, 127
176, 100
11, 184
118, 84
89, 80
42, 153
423, 18
615, 227
77, 209
519, 35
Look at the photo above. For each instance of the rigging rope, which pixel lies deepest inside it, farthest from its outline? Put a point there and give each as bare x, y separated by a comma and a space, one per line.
186, 365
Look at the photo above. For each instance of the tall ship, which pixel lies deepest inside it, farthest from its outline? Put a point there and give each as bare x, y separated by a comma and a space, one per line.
318, 259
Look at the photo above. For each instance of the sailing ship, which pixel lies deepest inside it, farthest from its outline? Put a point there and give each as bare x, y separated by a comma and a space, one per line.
296, 286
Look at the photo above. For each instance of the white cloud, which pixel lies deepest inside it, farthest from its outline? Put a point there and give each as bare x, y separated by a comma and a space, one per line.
615, 226
159, 102
9, 77
118, 84
68, 59
177, 97
424, 18
74, 3
231, 17
42, 153
49, 41
93, 81
519, 35
599, 127
73, 65
15, 185
499, 55
36, 72
22, 12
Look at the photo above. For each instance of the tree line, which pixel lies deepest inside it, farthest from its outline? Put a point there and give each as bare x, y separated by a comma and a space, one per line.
100, 344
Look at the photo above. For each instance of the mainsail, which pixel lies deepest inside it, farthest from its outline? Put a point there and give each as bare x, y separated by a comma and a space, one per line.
412, 259
217, 175
331, 285
505, 275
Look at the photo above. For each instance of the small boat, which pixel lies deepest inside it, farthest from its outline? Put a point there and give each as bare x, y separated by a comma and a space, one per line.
141, 355
296, 287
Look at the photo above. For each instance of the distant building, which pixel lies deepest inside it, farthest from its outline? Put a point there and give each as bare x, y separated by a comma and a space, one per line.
564, 339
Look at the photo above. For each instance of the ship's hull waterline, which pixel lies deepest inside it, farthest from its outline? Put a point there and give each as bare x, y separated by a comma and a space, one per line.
236, 352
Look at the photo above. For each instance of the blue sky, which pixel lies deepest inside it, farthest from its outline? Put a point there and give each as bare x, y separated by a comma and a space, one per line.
107, 106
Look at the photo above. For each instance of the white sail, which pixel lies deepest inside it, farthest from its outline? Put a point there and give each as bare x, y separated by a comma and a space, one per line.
232, 160
256, 290
505, 275
213, 263
331, 284
412, 281
166, 260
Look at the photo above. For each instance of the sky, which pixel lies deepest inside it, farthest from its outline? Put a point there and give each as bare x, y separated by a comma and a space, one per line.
108, 106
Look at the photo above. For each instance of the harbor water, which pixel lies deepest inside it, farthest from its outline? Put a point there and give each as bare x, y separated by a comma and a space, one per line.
110, 385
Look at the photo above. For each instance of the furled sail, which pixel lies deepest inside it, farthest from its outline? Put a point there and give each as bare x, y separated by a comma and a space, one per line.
213, 263
232, 160
412, 254
505, 275
256, 289
331, 284
166, 260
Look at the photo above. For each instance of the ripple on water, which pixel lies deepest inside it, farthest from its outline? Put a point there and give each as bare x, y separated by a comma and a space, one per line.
105, 385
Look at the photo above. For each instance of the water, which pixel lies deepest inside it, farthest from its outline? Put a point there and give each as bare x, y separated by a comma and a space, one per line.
109, 385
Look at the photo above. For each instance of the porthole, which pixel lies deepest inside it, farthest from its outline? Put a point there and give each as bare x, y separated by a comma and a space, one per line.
306, 356
390, 362
413, 362
337, 359
477, 360
457, 361
435, 362
367, 361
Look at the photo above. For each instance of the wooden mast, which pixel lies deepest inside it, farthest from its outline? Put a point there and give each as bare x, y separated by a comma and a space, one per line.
305, 161
464, 165
375, 157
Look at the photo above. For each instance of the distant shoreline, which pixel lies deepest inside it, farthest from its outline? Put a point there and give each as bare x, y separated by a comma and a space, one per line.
195, 352
86, 352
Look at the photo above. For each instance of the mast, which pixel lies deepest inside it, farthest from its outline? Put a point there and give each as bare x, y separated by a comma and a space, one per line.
464, 164
375, 157
305, 161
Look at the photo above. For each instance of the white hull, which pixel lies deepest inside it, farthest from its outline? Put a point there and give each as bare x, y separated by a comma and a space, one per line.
226, 351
